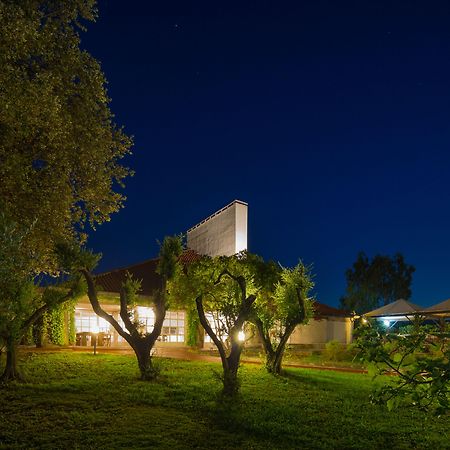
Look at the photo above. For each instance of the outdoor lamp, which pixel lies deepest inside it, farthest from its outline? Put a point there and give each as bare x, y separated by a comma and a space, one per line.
241, 336
94, 332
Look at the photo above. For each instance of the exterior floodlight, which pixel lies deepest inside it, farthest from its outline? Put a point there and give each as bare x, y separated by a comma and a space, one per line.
241, 336
364, 321
386, 323
94, 332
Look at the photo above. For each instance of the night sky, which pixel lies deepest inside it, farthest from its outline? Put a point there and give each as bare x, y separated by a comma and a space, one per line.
331, 119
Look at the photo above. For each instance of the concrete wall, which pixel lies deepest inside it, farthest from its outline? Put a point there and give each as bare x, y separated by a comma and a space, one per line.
222, 233
319, 332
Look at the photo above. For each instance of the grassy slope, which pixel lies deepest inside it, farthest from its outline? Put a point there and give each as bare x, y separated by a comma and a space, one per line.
82, 401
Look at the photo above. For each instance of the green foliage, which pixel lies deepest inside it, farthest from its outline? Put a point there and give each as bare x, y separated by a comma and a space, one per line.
71, 325
60, 150
18, 294
28, 337
221, 294
286, 303
192, 327
169, 254
71, 257
376, 282
56, 328
40, 334
131, 287
337, 351
71, 399
296, 282
421, 361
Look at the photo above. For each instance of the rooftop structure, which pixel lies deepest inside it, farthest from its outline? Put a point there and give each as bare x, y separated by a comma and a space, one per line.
222, 233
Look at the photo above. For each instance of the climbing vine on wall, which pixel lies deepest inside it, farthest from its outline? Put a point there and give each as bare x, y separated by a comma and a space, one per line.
193, 324
71, 332
40, 331
56, 327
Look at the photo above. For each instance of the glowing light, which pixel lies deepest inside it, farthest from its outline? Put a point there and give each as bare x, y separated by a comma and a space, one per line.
364, 320
241, 336
386, 323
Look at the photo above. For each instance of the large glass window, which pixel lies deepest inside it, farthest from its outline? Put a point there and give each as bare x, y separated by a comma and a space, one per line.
218, 325
173, 325
88, 321
172, 330
146, 317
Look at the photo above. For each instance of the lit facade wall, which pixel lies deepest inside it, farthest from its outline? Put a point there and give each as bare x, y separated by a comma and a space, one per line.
319, 332
222, 233
86, 321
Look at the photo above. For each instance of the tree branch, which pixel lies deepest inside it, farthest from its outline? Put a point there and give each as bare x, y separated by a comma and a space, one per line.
211, 334
92, 294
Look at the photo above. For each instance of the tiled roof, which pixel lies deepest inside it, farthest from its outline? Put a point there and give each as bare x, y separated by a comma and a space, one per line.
150, 281
145, 272
322, 310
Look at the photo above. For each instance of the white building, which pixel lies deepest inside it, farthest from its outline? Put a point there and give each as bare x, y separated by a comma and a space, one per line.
222, 233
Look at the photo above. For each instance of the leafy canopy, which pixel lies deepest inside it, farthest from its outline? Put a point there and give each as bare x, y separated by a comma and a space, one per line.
60, 150
378, 281
420, 360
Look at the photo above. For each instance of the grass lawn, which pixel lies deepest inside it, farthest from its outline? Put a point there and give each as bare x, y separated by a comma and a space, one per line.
77, 400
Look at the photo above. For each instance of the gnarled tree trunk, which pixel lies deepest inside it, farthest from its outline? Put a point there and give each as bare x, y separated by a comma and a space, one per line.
230, 363
274, 355
11, 372
141, 344
12, 343
230, 371
142, 350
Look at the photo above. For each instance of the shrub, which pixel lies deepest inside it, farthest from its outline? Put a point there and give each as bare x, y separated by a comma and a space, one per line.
337, 351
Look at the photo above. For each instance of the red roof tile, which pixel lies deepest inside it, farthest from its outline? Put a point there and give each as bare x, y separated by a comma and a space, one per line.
144, 271
150, 281
322, 310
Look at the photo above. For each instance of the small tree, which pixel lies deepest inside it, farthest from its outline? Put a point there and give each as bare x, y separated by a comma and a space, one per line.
139, 339
223, 291
21, 303
420, 359
376, 282
279, 309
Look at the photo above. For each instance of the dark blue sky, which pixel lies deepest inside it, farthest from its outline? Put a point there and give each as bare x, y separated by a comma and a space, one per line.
331, 119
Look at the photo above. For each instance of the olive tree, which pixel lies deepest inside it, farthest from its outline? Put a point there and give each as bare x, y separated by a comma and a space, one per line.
224, 292
280, 308
139, 339
21, 303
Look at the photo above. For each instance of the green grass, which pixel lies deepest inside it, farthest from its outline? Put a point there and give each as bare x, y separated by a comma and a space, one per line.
77, 400
309, 358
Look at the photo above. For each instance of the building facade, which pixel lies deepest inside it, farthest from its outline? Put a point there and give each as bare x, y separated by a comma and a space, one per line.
222, 233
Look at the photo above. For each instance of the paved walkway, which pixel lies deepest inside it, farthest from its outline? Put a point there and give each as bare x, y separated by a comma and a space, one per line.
188, 355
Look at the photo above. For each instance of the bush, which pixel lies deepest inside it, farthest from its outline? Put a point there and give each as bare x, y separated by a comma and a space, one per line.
337, 351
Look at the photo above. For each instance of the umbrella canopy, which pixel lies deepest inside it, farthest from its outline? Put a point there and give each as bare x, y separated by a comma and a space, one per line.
400, 309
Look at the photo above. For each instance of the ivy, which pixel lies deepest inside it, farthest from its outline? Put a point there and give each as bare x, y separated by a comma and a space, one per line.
193, 325
56, 326
71, 325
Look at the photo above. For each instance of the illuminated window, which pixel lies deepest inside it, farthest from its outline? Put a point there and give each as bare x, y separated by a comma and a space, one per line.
146, 317
173, 327
217, 323
86, 321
